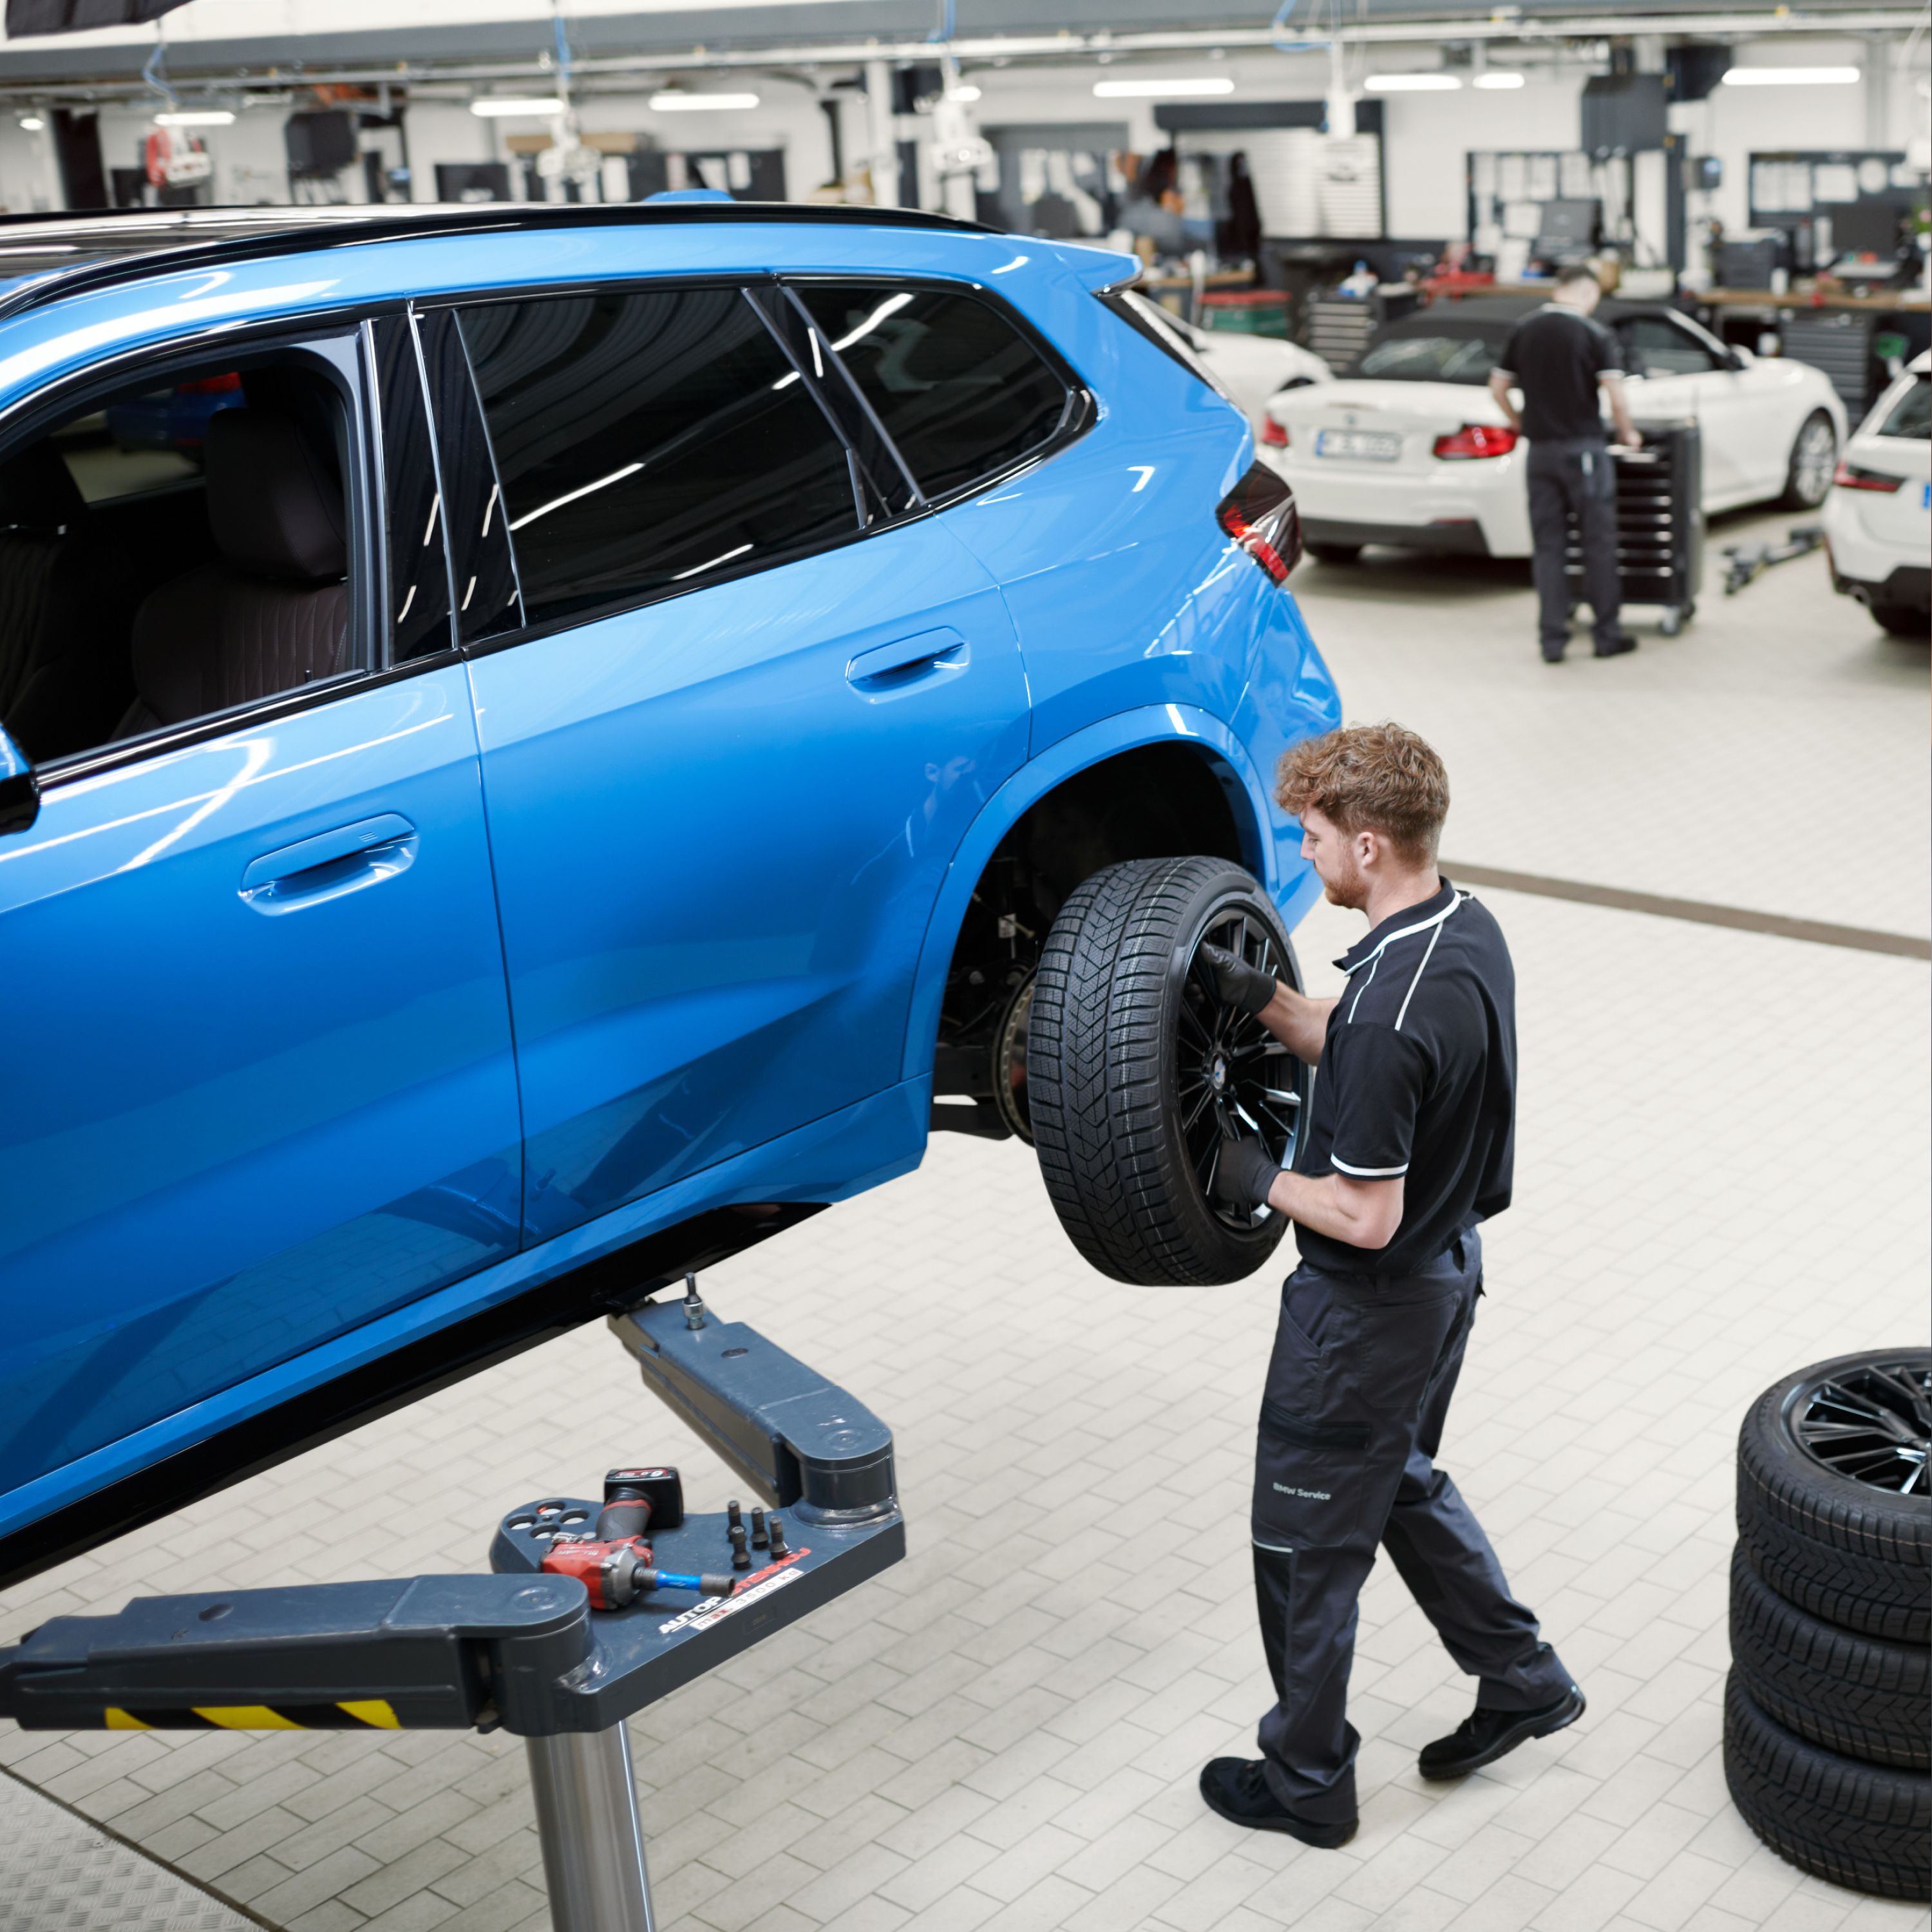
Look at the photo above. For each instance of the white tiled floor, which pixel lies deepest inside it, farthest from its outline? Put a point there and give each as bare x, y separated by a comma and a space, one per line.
1722, 1150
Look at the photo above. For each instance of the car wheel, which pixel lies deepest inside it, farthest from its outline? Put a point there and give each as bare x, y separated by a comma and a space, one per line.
1859, 1825
1833, 1509
1813, 456
1334, 553
1861, 1696
1903, 620
1135, 1071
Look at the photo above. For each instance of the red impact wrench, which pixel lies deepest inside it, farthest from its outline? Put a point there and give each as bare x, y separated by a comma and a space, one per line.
614, 1564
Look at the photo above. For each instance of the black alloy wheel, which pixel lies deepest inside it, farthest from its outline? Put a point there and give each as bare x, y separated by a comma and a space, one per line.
1236, 1080
1135, 1071
1873, 1424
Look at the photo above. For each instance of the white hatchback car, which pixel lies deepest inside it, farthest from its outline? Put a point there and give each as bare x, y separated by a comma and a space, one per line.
1410, 448
1878, 518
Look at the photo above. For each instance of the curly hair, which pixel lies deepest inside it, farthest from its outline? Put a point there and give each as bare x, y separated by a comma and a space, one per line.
1369, 778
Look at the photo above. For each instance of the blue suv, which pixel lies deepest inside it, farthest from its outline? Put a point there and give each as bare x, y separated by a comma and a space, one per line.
581, 765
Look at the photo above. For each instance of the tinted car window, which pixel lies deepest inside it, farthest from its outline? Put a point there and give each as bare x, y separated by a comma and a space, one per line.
1912, 414
1654, 347
1431, 358
958, 387
648, 440
418, 570
475, 525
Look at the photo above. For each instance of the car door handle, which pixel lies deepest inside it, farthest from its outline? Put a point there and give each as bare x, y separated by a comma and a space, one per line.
323, 868
888, 669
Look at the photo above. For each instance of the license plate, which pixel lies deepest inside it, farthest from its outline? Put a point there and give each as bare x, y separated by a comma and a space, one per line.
1360, 445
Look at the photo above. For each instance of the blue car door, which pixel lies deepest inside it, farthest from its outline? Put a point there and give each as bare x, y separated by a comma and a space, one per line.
259, 1086
728, 760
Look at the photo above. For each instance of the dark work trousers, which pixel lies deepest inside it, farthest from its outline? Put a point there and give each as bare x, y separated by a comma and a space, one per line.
1573, 477
1358, 1391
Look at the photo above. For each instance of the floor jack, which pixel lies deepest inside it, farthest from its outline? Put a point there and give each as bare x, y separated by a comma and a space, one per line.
595, 1610
1747, 562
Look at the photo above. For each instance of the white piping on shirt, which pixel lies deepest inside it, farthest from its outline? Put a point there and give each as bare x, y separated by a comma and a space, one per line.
1420, 926
1402, 1012
1366, 984
1368, 1173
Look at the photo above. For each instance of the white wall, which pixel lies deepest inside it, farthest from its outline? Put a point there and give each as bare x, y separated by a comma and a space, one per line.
1426, 140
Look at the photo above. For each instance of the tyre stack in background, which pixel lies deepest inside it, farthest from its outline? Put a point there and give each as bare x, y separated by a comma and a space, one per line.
1827, 1712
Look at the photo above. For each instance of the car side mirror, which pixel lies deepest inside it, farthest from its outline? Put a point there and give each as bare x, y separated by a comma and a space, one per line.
19, 790
1735, 358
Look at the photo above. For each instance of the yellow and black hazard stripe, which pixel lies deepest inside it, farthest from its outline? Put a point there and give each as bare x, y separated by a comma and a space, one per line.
361, 1713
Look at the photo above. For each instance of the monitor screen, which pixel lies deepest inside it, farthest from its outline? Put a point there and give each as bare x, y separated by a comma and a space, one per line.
1569, 221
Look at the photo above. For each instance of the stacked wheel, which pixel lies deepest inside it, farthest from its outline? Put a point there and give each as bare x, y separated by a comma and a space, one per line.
1828, 1714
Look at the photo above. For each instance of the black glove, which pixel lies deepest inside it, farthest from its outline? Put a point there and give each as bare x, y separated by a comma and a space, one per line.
1243, 1175
1235, 982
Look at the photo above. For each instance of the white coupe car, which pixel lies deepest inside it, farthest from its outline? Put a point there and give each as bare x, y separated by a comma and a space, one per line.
1878, 518
1410, 449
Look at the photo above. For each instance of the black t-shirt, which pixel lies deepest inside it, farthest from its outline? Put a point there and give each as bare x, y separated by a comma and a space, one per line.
1556, 356
1418, 1078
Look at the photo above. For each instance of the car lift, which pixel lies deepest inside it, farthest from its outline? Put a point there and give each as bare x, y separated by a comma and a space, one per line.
527, 1648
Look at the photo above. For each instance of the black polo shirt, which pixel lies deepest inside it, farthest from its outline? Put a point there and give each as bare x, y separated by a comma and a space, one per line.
1418, 1078
1556, 356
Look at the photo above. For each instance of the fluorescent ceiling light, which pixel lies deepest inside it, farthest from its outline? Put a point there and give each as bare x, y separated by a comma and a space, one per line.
965, 91
1137, 90
32, 123
1497, 77
489, 105
199, 117
1411, 83
1790, 76
701, 103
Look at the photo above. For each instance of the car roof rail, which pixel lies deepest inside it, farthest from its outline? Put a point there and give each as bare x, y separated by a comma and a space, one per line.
109, 246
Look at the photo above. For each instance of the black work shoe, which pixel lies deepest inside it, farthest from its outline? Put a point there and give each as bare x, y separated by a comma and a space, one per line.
1489, 1735
1553, 657
1236, 1788
1615, 647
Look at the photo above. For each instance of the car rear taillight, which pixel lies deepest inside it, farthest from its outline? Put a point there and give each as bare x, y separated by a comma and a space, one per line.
1475, 440
1272, 434
1850, 476
1259, 513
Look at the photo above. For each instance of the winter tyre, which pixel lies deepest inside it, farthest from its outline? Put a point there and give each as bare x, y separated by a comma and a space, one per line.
1902, 620
1860, 1696
1136, 1071
1833, 1509
1864, 1825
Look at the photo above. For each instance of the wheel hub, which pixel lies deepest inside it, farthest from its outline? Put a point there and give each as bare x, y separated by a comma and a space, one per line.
1236, 1080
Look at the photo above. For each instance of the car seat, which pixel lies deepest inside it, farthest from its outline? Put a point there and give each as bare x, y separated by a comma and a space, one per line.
57, 600
271, 613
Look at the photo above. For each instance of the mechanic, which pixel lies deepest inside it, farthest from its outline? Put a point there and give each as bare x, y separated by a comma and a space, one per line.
1409, 1144
1560, 357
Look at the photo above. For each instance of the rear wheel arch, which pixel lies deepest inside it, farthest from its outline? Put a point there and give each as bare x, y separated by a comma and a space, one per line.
1166, 796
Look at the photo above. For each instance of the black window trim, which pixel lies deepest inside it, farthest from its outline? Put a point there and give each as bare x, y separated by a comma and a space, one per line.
333, 337
1080, 415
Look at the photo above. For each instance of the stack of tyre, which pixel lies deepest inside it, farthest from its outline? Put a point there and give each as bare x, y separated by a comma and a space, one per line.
1827, 1720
